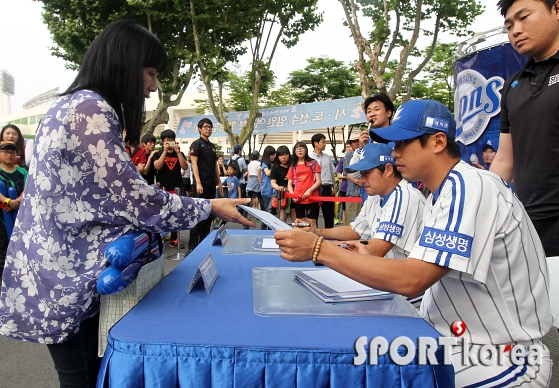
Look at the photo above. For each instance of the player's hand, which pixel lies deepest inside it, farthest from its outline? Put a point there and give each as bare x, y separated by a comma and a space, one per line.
306, 194
356, 246
226, 209
311, 228
199, 188
295, 244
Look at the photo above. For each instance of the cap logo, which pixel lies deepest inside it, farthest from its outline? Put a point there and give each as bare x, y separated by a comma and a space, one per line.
397, 115
476, 101
386, 159
436, 123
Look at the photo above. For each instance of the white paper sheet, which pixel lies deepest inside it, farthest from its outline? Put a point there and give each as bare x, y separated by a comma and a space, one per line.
336, 281
269, 243
267, 218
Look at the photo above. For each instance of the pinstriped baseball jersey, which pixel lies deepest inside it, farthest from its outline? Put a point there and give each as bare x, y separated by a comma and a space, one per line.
396, 218
475, 225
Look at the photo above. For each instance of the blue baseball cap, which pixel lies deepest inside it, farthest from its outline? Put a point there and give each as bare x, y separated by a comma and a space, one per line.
373, 155
416, 118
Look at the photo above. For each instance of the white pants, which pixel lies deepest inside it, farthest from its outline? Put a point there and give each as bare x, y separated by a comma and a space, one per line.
502, 374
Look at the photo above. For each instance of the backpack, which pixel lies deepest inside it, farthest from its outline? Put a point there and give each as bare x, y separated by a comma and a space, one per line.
312, 165
234, 162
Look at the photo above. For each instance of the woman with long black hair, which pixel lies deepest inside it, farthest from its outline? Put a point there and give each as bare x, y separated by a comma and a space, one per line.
83, 192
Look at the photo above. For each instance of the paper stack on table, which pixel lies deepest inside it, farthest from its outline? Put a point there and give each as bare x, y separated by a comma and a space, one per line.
266, 244
333, 287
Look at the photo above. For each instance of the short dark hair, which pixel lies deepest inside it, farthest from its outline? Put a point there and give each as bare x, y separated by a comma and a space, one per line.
317, 138
382, 97
147, 138
382, 167
452, 147
267, 155
232, 165
282, 150
504, 5
113, 67
204, 121
168, 134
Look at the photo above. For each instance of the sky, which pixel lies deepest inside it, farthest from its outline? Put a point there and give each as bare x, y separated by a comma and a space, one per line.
25, 44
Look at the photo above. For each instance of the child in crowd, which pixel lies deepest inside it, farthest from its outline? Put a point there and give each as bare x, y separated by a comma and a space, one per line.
303, 179
13, 176
278, 177
254, 183
232, 183
222, 175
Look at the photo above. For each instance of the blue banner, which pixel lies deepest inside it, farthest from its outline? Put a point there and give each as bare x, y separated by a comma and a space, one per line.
478, 80
290, 118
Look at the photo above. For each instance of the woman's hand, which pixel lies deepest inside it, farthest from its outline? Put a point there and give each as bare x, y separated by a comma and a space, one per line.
226, 209
306, 194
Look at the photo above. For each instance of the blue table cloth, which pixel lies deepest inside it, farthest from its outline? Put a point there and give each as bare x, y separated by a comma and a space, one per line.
175, 339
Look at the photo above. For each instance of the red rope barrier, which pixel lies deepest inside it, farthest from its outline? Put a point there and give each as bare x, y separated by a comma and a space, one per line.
325, 199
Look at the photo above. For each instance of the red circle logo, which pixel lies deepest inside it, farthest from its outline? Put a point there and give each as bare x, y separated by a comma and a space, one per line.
458, 328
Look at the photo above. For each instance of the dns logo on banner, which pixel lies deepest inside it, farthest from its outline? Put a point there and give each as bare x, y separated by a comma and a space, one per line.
476, 101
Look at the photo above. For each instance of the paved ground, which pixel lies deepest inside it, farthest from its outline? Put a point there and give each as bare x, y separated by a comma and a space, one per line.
28, 365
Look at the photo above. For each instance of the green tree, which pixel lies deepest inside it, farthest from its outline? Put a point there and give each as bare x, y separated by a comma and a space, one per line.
437, 83
398, 24
324, 79
75, 23
264, 25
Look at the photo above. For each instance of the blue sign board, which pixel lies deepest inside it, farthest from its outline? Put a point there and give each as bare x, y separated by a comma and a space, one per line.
478, 80
289, 118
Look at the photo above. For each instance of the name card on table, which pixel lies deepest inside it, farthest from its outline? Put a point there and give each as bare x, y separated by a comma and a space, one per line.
221, 236
207, 271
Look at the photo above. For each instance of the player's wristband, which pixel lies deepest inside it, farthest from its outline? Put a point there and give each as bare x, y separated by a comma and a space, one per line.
7, 202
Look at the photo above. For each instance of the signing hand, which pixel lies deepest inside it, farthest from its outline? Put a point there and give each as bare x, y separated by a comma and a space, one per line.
295, 244
356, 246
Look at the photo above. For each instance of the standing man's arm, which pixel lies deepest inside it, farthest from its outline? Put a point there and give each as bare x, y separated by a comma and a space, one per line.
194, 164
504, 162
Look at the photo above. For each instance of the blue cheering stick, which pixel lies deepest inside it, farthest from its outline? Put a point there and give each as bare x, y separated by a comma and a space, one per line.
114, 279
127, 255
8, 220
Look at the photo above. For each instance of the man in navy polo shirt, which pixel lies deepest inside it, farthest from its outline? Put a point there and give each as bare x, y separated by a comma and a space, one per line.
205, 171
529, 140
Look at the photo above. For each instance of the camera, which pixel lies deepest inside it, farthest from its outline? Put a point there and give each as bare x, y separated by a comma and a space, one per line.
170, 144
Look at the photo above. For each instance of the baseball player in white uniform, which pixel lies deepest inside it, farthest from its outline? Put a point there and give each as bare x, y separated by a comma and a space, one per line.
392, 216
478, 259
